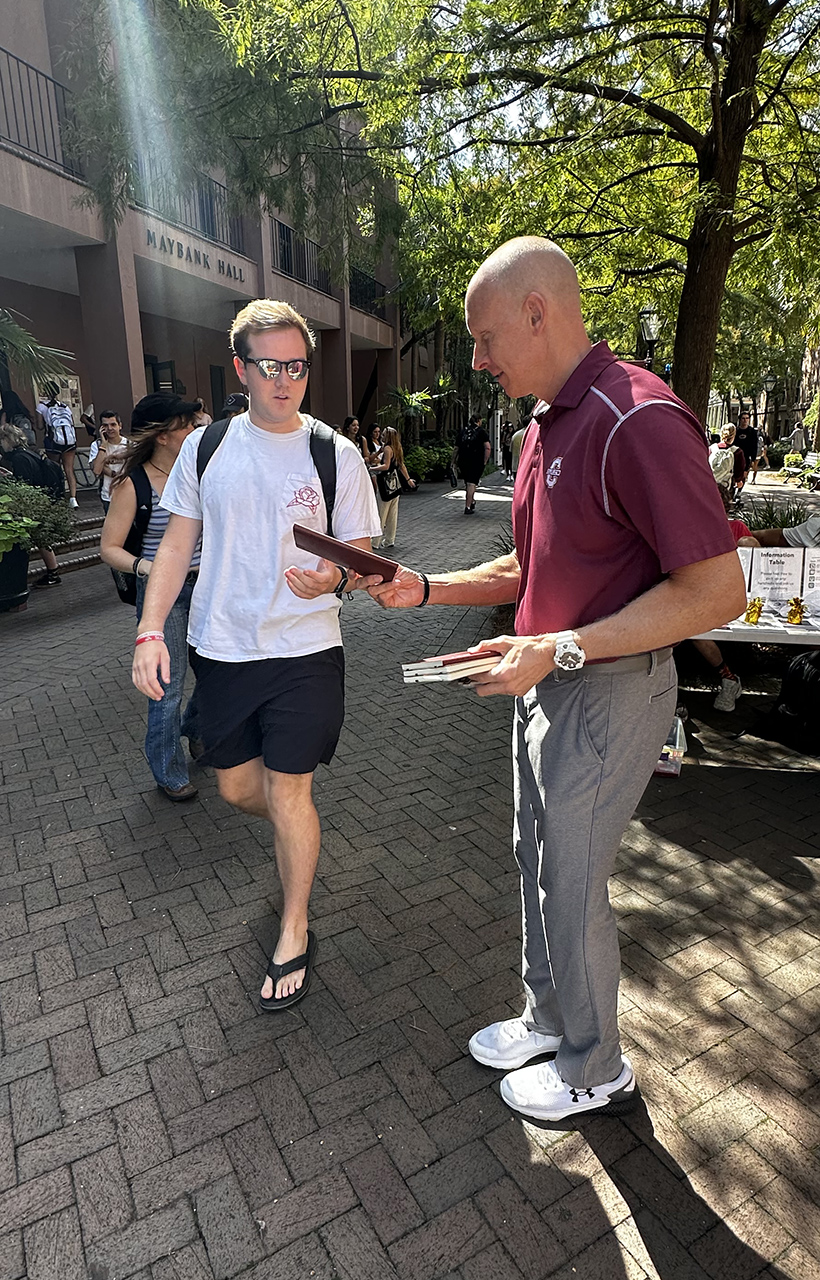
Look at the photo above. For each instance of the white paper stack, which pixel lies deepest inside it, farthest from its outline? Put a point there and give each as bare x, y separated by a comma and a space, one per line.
449, 667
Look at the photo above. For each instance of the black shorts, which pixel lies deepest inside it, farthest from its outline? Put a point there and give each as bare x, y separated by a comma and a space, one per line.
51, 446
289, 711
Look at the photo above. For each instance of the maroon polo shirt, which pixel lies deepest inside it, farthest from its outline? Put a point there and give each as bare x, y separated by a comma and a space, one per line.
613, 492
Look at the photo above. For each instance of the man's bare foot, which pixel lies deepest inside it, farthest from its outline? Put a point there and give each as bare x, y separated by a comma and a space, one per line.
287, 948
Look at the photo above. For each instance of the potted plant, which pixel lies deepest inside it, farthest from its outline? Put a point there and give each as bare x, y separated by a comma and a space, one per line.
28, 517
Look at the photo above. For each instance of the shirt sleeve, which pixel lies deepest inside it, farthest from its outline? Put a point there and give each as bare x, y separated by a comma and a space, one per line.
181, 493
804, 535
356, 513
657, 480
93, 450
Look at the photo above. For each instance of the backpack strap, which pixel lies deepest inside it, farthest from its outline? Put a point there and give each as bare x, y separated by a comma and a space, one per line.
323, 453
211, 439
136, 534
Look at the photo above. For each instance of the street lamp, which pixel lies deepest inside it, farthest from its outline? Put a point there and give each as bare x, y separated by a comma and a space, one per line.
650, 324
769, 384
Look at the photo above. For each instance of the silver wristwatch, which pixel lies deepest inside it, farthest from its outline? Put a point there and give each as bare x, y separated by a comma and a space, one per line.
568, 655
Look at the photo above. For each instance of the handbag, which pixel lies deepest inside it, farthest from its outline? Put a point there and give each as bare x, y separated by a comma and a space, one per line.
388, 484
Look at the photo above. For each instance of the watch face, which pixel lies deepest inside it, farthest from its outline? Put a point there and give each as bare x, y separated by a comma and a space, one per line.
570, 660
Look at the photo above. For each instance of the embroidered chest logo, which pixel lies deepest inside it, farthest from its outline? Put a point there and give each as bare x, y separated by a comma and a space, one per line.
306, 497
553, 472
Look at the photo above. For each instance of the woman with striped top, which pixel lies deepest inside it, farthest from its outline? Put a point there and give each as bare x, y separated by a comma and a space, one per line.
159, 424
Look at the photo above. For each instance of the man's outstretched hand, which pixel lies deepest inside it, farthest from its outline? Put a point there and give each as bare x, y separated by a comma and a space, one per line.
405, 591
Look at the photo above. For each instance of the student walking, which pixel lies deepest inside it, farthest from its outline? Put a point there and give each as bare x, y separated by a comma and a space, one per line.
160, 423
60, 441
264, 622
389, 472
472, 452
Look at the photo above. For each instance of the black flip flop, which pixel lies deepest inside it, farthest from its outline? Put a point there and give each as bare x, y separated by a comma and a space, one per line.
276, 971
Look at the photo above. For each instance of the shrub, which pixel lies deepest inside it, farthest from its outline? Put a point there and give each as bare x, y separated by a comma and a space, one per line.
776, 454
766, 513
51, 520
429, 463
793, 460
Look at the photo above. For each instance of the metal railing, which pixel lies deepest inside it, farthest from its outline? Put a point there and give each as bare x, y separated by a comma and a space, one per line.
367, 293
204, 208
296, 256
33, 112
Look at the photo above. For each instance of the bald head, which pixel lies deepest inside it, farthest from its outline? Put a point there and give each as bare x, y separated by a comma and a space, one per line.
523, 308
525, 265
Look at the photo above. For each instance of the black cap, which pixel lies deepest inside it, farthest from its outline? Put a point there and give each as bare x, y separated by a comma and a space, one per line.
161, 406
236, 402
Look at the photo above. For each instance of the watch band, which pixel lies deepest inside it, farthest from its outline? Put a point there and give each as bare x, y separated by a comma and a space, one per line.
343, 581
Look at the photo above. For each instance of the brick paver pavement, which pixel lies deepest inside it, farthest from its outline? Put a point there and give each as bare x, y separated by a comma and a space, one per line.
154, 1124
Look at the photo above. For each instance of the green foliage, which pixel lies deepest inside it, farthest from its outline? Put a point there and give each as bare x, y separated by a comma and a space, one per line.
672, 149
39, 519
812, 413
793, 460
33, 361
15, 530
768, 513
428, 463
776, 454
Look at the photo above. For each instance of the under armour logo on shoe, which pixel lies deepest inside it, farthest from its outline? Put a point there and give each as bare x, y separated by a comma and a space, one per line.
578, 1093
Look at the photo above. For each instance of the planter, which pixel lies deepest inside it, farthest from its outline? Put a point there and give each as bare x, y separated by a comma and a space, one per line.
13, 574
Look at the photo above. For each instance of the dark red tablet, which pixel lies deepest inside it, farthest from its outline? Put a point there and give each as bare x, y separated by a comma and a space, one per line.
341, 553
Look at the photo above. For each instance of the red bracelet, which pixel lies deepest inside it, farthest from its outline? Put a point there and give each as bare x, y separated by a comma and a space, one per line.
149, 635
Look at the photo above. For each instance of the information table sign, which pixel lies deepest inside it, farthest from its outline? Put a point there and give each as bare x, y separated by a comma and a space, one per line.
777, 575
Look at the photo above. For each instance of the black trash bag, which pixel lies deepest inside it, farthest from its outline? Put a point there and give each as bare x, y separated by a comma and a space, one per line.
794, 719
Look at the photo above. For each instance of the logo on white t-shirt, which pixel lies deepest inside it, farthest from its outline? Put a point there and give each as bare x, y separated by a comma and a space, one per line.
553, 472
306, 496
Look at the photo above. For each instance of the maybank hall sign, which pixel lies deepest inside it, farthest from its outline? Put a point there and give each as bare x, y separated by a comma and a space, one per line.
176, 248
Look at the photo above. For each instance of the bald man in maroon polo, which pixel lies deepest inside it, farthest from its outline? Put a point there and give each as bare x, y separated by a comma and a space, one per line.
622, 549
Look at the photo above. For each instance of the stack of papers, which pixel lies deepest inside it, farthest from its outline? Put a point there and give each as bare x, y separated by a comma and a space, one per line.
449, 666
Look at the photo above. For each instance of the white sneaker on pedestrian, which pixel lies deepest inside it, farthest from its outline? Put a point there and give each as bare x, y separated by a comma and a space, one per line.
539, 1091
510, 1044
72, 502
728, 694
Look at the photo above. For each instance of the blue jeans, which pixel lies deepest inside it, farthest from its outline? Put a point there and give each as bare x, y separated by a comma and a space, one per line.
163, 748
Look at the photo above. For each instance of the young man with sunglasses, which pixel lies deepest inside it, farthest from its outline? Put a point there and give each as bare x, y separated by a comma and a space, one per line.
264, 622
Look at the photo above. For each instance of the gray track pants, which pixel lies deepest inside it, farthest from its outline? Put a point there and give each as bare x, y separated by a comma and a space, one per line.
584, 747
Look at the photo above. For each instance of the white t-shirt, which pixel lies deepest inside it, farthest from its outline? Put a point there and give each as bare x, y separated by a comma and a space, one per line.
113, 463
803, 535
257, 485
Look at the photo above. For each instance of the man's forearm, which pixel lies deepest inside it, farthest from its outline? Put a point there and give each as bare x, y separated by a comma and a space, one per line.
168, 574
677, 608
495, 582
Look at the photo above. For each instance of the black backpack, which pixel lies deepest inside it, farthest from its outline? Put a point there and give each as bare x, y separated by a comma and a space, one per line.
126, 583
52, 478
322, 451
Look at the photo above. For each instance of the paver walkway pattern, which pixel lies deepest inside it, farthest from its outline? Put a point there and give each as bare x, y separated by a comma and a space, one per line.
154, 1124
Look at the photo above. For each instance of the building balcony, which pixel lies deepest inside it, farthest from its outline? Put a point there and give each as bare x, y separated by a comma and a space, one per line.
34, 112
296, 256
203, 208
368, 294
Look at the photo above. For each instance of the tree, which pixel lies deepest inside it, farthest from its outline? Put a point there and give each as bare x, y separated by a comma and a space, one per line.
664, 143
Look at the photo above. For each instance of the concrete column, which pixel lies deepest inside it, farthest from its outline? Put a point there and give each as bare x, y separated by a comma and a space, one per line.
111, 323
337, 375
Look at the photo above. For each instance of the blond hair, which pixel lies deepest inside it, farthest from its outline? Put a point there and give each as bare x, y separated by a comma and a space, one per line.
727, 432
264, 314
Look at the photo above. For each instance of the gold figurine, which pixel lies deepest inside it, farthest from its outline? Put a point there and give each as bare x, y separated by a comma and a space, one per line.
795, 613
753, 611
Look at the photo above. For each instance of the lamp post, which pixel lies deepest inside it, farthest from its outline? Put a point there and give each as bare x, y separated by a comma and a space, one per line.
769, 384
650, 325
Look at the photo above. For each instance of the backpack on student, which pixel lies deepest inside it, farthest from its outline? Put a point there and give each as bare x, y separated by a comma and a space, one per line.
52, 478
60, 423
126, 583
722, 462
322, 451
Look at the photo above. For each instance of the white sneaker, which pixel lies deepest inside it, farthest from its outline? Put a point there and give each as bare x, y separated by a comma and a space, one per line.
540, 1092
510, 1044
72, 502
728, 694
